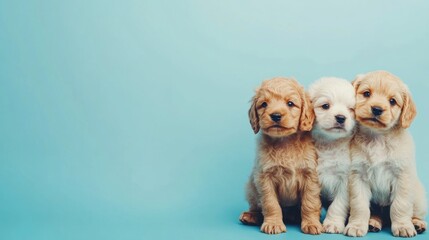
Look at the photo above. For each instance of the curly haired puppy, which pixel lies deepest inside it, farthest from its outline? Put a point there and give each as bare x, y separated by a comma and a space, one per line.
334, 102
383, 170
285, 170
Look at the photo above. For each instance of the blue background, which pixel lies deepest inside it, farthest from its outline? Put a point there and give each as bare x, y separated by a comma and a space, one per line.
128, 119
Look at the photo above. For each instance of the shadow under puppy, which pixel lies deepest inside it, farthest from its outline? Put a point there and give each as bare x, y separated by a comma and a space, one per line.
383, 170
284, 173
334, 102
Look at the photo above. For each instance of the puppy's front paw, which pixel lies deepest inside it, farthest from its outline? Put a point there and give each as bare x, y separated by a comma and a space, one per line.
419, 225
403, 230
313, 228
374, 225
270, 227
356, 230
332, 227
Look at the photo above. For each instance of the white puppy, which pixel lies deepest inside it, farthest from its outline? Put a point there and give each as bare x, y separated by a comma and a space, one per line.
334, 101
383, 169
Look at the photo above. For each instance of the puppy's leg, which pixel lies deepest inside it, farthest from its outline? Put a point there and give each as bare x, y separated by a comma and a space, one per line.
311, 205
337, 211
360, 195
419, 208
401, 210
273, 218
376, 220
254, 215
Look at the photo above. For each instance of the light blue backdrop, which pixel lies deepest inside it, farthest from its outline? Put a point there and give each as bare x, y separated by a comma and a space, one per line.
128, 119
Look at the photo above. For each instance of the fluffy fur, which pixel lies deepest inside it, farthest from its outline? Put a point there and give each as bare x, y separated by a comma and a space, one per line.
285, 170
383, 169
334, 102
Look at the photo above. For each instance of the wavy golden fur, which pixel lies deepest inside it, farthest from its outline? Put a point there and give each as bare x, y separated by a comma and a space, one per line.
285, 173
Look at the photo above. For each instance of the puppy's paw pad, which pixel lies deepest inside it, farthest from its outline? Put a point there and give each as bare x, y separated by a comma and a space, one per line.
333, 227
251, 218
419, 225
374, 225
403, 230
313, 229
273, 227
353, 230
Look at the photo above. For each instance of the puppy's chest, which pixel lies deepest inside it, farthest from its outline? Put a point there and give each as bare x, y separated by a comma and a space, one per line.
382, 180
286, 165
383, 170
285, 170
333, 169
333, 162
285, 160
382, 160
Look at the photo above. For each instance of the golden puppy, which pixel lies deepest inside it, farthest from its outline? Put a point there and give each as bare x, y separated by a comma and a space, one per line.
383, 170
285, 170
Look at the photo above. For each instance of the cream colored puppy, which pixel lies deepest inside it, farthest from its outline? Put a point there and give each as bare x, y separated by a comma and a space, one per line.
334, 102
383, 167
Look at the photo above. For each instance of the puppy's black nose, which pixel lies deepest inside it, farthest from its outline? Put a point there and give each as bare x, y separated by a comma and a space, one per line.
377, 111
340, 119
276, 117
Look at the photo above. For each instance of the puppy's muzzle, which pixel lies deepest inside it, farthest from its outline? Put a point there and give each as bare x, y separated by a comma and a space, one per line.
340, 119
377, 111
276, 117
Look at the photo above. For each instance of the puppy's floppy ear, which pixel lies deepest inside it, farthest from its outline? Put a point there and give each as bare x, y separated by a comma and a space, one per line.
253, 115
409, 110
356, 82
307, 113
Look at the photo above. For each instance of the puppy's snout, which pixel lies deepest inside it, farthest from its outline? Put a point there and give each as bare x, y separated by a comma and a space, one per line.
377, 111
340, 119
276, 117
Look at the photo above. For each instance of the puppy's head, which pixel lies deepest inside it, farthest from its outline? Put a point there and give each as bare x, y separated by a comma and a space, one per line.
383, 101
280, 108
334, 102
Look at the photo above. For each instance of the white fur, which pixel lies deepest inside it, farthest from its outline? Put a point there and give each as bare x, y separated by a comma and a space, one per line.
333, 146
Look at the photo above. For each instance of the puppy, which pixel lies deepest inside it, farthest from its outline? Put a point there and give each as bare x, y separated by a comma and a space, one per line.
334, 102
285, 170
383, 170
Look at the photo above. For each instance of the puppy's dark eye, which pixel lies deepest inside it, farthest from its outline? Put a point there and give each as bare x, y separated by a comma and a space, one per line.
264, 104
325, 106
290, 104
367, 94
392, 102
